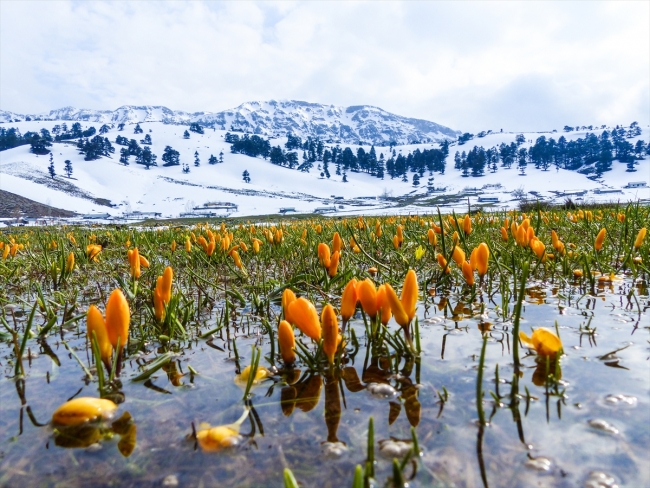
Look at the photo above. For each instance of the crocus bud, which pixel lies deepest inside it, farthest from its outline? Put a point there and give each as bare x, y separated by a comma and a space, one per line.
384, 306
442, 262
396, 307
468, 273
288, 296
467, 225
337, 243
287, 342
334, 264
166, 284
95, 323
638, 242
482, 257
431, 236
330, 332
458, 256
324, 255
69, 264
504, 234
600, 239
304, 316
409, 296
349, 300
367, 294
118, 318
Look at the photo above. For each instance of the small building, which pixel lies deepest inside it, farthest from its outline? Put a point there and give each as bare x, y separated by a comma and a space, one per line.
96, 216
636, 184
285, 210
488, 199
322, 210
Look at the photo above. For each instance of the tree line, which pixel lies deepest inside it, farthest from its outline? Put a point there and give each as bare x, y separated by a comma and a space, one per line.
591, 155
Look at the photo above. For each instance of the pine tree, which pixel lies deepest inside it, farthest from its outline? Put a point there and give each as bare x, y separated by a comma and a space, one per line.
186, 168
186, 135
221, 156
50, 168
138, 129
246, 176
212, 159
124, 156
416, 179
68, 168
345, 177
197, 161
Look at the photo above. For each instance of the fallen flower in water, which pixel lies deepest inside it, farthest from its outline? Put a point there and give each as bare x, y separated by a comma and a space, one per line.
545, 342
83, 409
260, 375
214, 439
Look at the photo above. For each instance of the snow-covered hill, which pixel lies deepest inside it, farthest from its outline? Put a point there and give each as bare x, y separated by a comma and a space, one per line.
170, 192
346, 125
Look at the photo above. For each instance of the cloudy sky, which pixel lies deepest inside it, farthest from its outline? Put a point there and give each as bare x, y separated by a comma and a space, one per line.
467, 65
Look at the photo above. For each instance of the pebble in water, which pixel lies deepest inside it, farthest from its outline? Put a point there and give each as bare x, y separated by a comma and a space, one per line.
621, 400
603, 426
390, 448
170, 480
598, 479
382, 390
539, 463
94, 447
334, 449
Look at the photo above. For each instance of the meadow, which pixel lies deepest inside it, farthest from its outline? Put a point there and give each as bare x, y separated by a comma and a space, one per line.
494, 349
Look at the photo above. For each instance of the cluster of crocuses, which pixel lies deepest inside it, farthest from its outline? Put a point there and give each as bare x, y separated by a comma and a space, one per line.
162, 294
329, 259
10, 249
92, 251
380, 304
110, 332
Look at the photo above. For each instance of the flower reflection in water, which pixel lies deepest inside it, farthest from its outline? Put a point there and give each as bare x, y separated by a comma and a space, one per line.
86, 434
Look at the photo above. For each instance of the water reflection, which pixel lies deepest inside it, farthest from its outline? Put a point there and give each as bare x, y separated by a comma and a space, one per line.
90, 433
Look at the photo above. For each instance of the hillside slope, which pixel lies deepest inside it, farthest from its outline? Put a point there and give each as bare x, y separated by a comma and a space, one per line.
169, 192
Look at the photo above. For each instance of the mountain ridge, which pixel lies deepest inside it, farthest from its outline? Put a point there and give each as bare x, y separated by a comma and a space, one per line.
274, 118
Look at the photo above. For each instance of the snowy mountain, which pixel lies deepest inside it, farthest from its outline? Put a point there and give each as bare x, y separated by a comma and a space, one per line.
361, 124
106, 186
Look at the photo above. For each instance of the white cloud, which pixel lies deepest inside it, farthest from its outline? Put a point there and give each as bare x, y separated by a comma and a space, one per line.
469, 65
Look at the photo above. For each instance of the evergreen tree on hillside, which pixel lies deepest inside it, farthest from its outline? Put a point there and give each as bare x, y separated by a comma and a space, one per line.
146, 158
68, 168
146, 140
246, 176
197, 161
186, 168
120, 126
220, 156
50, 168
186, 135
171, 157
104, 129
212, 159
138, 129
124, 156
196, 127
